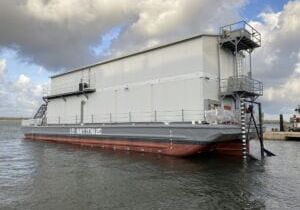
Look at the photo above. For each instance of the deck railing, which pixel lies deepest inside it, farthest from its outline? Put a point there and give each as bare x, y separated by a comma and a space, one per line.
68, 87
31, 122
216, 116
241, 84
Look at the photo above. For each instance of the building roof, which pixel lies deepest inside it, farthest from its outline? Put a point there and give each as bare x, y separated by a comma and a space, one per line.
133, 54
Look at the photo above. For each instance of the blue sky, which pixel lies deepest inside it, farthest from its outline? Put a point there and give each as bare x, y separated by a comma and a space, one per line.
255, 7
103, 48
17, 66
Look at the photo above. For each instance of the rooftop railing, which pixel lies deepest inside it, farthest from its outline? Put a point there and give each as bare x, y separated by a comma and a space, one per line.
241, 27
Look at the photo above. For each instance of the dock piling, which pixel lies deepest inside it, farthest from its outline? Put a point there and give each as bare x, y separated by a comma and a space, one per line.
281, 123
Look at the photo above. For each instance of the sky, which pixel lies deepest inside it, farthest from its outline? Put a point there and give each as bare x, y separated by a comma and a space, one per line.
40, 38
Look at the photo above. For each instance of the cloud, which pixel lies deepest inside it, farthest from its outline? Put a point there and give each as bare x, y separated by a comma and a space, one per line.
2, 68
286, 93
59, 34
28, 95
276, 59
56, 34
21, 97
2, 77
297, 65
163, 21
277, 62
23, 83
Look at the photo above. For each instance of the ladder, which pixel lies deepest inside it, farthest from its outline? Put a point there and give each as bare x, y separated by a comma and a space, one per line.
239, 64
41, 112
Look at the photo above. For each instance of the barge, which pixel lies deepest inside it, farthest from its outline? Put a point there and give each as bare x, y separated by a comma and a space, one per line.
179, 99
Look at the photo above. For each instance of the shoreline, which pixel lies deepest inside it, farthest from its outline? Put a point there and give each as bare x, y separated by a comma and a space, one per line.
11, 120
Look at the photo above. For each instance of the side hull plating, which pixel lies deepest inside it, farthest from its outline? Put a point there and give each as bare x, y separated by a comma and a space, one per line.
175, 140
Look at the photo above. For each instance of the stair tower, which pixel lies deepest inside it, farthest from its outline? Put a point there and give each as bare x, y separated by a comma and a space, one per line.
241, 39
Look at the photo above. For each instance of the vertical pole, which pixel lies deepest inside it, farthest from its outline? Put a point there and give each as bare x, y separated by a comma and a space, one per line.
76, 119
89, 79
171, 139
281, 122
235, 61
58, 119
219, 66
261, 137
82, 112
92, 118
250, 63
155, 116
243, 128
110, 117
129, 116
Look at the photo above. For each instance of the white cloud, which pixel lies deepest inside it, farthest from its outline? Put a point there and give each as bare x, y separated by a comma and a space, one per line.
162, 21
2, 68
23, 82
280, 43
277, 62
297, 65
28, 95
285, 93
58, 34
21, 97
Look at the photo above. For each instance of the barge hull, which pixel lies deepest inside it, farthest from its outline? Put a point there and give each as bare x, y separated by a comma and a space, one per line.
233, 147
174, 140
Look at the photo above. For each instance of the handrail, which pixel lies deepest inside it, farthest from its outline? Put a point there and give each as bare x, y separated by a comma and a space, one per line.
241, 83
215, 116
71, 85
242, 25
156, 116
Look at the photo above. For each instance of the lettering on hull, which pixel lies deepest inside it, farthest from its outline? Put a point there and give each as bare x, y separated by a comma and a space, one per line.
85, 131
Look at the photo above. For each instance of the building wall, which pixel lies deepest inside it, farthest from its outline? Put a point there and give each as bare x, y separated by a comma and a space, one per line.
166, 84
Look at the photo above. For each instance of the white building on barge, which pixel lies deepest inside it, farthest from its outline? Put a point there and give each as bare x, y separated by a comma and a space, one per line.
171, 83
177, 99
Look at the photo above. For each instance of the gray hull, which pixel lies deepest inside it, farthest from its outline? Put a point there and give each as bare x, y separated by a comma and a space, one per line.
180, 133
173, 139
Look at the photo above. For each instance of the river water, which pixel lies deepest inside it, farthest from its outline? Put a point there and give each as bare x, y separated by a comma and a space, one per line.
40, 175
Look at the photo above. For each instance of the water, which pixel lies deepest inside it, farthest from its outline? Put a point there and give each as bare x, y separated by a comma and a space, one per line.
39, 175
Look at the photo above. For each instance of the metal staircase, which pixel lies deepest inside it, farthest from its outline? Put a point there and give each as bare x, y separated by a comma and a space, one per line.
240, 38
41, 112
